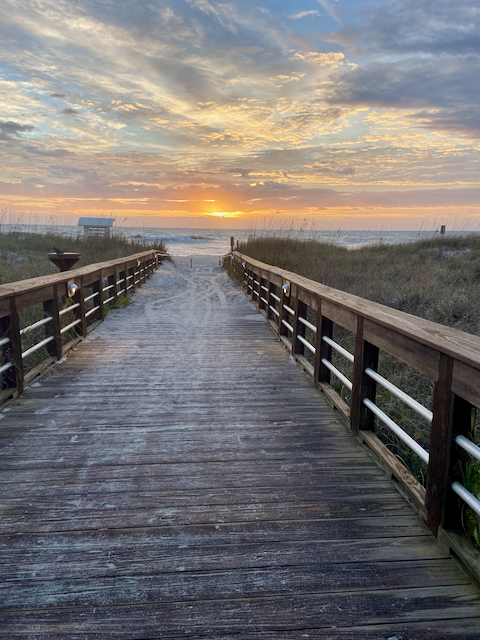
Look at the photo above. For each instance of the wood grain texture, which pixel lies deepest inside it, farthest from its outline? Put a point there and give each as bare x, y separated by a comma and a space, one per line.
179, 475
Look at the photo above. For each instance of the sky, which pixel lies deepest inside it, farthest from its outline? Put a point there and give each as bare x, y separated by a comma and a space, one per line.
353, 114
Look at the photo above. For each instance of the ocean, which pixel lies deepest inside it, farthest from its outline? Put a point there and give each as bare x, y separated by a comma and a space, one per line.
198, 242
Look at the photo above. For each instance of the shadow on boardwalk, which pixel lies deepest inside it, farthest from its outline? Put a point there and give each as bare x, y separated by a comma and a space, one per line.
178, 476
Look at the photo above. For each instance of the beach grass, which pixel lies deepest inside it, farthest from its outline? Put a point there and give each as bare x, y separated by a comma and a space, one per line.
25, 255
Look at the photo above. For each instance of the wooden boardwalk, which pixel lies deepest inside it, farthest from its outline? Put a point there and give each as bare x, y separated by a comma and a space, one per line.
178, 476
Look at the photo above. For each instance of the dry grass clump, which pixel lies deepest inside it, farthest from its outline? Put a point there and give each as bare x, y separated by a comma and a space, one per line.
24, 255
437, 279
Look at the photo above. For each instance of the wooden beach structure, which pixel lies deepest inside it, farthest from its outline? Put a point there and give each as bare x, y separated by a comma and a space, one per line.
181, 473
96, 227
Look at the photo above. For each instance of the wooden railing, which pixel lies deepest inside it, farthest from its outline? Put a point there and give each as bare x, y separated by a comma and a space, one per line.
303, 313
43, 318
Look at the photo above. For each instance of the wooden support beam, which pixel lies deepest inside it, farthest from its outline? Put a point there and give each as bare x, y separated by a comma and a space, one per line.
52, 308
300, 309
322, 374
15, 373
364, 387
80, 311
452, 416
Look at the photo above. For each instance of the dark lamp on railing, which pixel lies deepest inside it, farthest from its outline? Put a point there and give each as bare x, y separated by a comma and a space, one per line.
286, 289
244, 264
72, 289
139, 262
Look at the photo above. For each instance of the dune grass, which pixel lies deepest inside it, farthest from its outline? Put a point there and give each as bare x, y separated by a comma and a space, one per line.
24, 255
437, 279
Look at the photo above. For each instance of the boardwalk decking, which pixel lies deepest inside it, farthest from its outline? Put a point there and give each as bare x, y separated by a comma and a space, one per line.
178, 476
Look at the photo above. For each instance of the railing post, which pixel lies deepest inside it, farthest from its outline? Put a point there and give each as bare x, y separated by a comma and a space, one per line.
300, 309
261, 304
271, 289
281, 327
323, 350
112, 280
125, 275
13, 332
452, 416
51, 308
98, 288
132, 269
80, 311
366, 356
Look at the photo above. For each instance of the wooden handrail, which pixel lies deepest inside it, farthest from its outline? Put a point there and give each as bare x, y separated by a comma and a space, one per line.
62, 329
451, 358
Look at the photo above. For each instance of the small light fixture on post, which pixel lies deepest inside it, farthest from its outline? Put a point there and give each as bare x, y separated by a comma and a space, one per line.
72, 289
286, 289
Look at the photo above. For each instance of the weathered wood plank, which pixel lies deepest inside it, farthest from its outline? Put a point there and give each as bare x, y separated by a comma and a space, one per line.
282, 613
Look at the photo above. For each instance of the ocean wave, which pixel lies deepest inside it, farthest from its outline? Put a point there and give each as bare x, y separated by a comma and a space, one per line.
177, 239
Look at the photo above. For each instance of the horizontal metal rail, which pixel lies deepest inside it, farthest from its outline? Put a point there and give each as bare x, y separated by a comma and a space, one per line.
36, 347
289, 309
70, 326
5, 367
109, 300
256, 282
91, 296
308, 324
307, 344
110, 286
4, 341
398, 431
338, 374
273, 310
274, 296
264, 288
263, 300
68, 309
129, 287
120, 281
468, 446
346, 354
289, 326
89, 313
249, 286
35, 325
401, 395
467, 497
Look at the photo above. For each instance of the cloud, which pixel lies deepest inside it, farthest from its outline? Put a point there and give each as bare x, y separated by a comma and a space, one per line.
304, 14
200, 99
13, 128
10, 130
441, 88
331, 10
333, 60
415, 26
